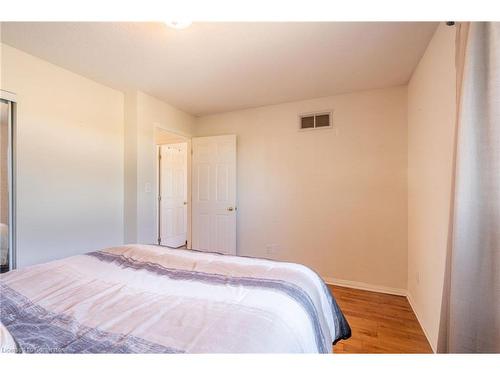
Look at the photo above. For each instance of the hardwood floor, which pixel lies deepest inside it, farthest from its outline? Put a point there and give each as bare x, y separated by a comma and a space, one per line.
380, 323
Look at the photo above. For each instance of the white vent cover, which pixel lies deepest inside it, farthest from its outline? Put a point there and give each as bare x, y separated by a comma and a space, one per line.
320, 120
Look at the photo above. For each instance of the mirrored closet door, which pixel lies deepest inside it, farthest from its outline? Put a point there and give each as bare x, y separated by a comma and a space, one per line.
7, 253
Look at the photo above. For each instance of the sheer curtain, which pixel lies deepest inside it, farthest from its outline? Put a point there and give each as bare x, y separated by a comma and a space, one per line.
474, 259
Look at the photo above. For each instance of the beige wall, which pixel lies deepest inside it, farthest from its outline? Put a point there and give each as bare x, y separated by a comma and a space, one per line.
130, 168
145, 114
431, 127
333, 199
90, 152
164, 137
69, 160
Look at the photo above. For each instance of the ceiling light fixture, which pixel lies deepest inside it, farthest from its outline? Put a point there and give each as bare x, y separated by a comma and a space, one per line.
178, 24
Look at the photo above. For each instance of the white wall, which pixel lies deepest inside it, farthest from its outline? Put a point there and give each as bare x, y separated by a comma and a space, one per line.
335, 200
69, 160
141, 170
431, 132
130, 166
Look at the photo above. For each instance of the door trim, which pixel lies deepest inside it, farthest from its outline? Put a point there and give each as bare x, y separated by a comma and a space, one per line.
8, 96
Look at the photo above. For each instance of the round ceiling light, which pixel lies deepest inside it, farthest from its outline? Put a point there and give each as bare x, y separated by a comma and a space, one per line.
178, 24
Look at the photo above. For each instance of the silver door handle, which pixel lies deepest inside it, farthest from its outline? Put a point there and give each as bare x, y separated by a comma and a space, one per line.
230, 209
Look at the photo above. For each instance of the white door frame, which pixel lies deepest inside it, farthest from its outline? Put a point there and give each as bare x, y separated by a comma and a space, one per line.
157, 166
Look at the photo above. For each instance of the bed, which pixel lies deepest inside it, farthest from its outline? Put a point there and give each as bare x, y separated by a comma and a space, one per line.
150, 299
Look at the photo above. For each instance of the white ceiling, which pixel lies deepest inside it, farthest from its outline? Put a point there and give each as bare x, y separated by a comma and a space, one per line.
218, 67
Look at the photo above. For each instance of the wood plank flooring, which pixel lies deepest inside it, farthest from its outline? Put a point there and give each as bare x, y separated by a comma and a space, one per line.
380, 323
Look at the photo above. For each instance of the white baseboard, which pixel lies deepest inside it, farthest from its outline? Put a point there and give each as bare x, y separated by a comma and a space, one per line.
365, 286
412, 305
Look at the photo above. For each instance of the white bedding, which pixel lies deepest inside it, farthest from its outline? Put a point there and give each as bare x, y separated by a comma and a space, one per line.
141, 298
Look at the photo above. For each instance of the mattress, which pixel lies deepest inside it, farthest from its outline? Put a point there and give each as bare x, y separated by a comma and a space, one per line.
150, 299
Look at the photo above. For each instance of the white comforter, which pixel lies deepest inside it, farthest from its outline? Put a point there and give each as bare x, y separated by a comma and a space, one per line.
141, 298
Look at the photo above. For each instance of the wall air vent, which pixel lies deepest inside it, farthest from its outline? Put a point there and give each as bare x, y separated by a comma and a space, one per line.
320, 120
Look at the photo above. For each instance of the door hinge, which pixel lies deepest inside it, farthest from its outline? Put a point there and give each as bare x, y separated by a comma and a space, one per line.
159, 199
159, 241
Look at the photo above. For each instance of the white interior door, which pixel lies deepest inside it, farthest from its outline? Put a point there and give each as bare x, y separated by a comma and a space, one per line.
173, 194
214, 194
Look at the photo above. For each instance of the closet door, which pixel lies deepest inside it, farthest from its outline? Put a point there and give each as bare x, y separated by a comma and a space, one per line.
7, 260
7, 208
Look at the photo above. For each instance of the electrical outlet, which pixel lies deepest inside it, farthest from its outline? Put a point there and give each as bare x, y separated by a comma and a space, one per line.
272, 248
